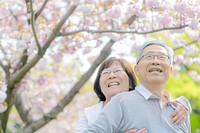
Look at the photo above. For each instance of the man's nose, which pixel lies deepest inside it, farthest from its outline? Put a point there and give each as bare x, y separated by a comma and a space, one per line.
155, 60
155, 57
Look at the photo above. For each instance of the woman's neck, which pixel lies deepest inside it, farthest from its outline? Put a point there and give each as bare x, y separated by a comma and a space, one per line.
105, 102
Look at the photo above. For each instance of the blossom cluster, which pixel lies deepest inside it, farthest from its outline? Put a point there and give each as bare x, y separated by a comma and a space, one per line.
3, 95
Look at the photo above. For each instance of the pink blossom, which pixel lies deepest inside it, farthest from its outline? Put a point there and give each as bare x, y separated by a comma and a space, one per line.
137, 10
3, 107
26, 36
3, 87
86, 9
197, 61
197, 79
138, 6
191, 12
3, 96
176, 68
193, 74
139, 13
135, 47
130, 10
194, 24
90, 1
114, 12
86, 50
88, 21
71, 50
191, 50
153, 3
179, 43
180, 7
166, 20
198, 11
178, 59
188, 61
75, 20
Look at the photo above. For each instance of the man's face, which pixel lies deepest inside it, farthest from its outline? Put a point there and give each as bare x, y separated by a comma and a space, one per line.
154, 66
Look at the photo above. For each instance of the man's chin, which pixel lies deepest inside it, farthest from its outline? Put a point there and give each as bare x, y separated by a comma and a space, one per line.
158, 80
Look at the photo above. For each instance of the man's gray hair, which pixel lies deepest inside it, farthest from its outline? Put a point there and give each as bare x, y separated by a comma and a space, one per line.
170, 51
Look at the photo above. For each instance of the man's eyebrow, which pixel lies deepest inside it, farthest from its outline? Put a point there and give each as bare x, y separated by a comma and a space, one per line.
152, 52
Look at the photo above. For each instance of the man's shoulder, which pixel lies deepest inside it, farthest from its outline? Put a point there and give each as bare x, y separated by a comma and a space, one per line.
124, 95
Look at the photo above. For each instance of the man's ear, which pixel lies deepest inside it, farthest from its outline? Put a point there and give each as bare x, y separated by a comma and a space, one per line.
171, 69
136, 70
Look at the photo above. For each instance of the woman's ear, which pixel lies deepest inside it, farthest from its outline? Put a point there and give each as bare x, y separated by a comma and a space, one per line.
136, 70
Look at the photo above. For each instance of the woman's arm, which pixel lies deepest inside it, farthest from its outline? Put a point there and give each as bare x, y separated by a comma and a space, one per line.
182, 110
137, 131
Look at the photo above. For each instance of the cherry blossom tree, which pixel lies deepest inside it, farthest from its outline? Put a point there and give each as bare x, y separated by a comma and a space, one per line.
37, 35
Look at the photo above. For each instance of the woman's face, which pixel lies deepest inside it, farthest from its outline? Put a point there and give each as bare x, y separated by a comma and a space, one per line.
114, 80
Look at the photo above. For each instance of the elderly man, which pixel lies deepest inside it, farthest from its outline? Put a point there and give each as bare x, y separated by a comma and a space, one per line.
148, 106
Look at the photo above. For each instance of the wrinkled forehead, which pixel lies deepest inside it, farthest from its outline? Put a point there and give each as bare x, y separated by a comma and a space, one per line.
155, 49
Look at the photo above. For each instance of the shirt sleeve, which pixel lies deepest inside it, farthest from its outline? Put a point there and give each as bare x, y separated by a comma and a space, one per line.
82, 123
185, 103
109, 120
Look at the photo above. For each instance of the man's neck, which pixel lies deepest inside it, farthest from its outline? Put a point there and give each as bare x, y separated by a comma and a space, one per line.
156, 89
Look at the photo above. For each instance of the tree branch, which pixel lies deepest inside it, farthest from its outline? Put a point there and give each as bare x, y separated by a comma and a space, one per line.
120, 31
5, 68
32, 21
28, 10
23, 109
22, 61
56, 30
185, 45
41, 9
131, 19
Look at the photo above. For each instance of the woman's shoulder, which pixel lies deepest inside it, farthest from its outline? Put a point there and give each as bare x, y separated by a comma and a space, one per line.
95, 107
92, 112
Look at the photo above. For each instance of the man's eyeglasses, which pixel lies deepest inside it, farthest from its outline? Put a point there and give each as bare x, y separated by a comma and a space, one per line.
116, 71
152, 57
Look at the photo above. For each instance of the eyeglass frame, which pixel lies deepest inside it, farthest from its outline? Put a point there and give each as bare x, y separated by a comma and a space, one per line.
106, 73
152, 57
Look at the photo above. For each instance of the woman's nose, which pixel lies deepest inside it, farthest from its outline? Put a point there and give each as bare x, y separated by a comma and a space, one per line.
112, 75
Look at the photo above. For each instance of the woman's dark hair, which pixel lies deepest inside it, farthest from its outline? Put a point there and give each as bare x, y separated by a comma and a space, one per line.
107, 63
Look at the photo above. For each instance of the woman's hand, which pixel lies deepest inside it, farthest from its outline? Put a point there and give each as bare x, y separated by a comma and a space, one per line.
180, 113
143, 130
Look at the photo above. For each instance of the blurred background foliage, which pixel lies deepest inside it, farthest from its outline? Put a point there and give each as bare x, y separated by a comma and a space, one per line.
185, 86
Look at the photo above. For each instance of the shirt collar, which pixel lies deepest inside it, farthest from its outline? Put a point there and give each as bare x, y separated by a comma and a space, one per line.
147, 94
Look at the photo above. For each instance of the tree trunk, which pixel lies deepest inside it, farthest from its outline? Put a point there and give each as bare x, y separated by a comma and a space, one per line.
5, 115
